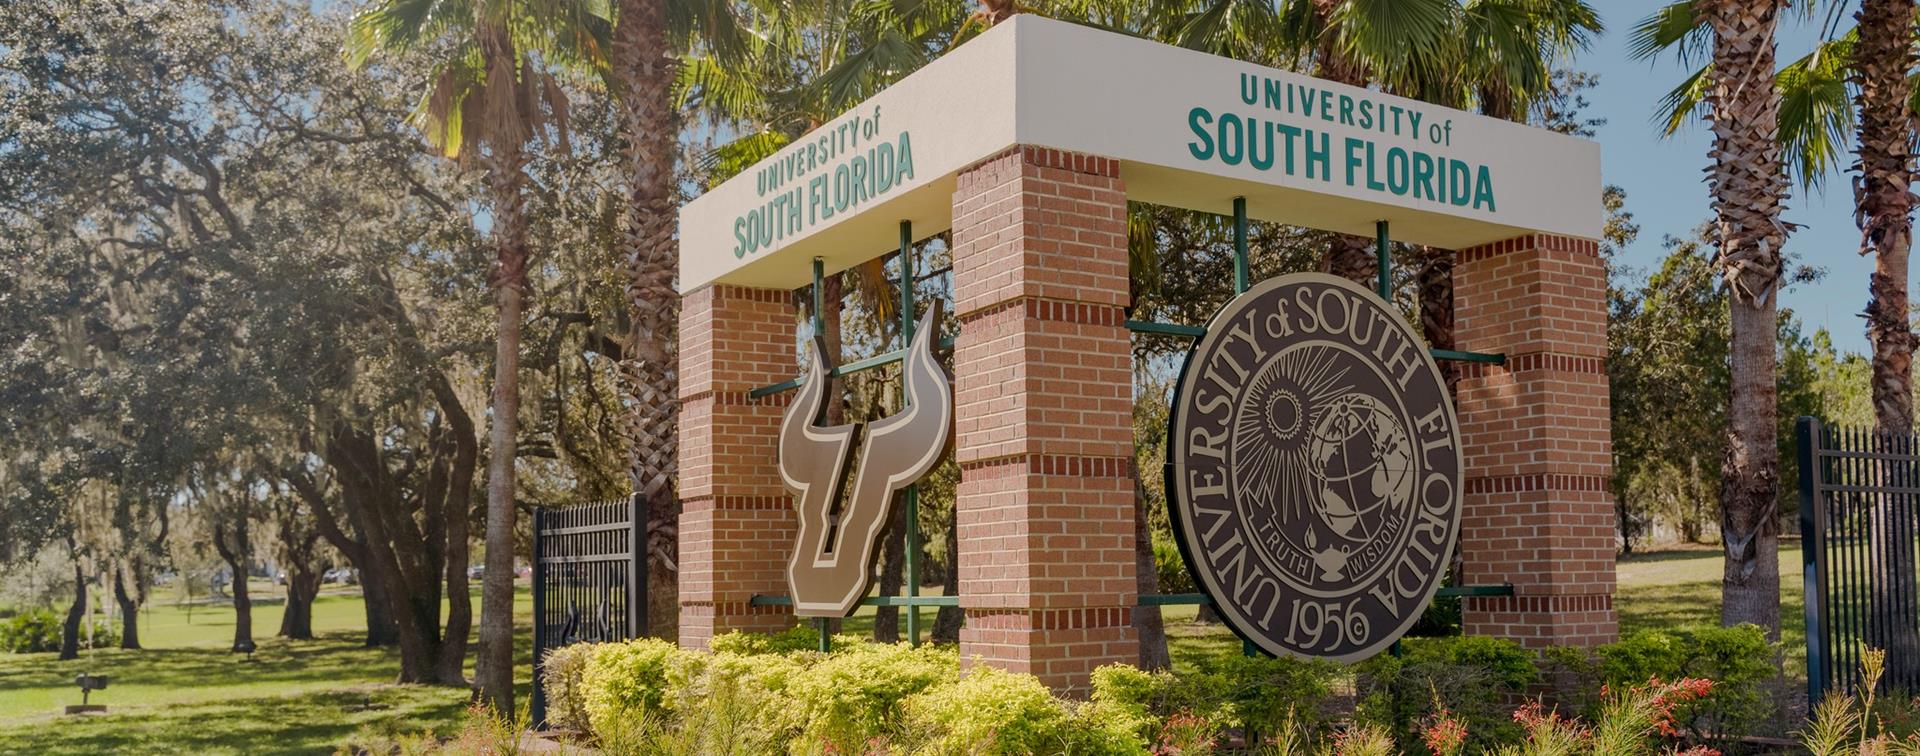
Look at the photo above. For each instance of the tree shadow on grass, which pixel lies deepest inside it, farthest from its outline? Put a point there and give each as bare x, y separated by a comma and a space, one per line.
298, 724
277, 661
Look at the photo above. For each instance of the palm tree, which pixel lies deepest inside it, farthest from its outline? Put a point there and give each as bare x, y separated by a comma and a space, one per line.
490, 88
649, 38
1883, 62
1748, 183
1500, 59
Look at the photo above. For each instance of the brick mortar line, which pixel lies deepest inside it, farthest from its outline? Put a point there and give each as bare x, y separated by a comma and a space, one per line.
1577, 602
1065, 618
1537, 482
1052, 310
1536, 361
1072, 465
1530, 242
736, 398
737, 503
732, 608
1048, 157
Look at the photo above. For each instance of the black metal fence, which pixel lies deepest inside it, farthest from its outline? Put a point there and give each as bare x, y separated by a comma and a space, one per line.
589, 579
1859, 499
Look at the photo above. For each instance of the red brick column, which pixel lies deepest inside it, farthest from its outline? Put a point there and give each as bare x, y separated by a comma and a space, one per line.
1536, 511
736, 523
1043, 376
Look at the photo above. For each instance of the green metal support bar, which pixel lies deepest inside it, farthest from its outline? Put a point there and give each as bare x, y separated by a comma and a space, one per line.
911, 497
1449, 354
1157, 599
1461, 591
765, 600
1242, 269
820, 297
1166, 329
1383, 260
819, 328
1194, 332
847, 369
1189, 599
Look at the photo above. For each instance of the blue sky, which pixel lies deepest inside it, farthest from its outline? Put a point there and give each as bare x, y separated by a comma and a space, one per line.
1663, 177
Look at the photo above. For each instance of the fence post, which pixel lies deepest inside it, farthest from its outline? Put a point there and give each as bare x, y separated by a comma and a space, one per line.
537, 711
637, 514
1806, 440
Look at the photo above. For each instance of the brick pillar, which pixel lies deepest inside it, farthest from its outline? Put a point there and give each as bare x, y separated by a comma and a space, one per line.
1043, 377
736, 521
1537, 512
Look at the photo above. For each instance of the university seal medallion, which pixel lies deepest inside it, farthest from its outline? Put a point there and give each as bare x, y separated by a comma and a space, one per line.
1314, 468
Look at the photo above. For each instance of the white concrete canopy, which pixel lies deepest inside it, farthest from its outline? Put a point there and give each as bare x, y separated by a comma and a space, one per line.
1191, 130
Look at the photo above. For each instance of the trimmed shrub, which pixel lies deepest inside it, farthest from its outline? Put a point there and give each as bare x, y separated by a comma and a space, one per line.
627, 680
562, 672
991, 712
1476, 680
1263, 696
853, 697
39, 630
1739, 660
799, 638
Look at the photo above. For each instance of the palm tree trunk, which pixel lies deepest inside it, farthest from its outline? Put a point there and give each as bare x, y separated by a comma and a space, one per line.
644, 67
1148, 623
493, 665
1883, 59
947, 622
1435, 279
893, 571
1348, 256
1748, 185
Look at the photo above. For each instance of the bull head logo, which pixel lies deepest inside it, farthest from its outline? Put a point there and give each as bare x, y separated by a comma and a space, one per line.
832, 561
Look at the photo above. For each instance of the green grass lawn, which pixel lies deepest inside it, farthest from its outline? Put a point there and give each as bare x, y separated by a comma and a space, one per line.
185, 694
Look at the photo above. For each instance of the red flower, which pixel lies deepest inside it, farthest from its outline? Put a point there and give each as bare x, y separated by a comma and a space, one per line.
1445, 736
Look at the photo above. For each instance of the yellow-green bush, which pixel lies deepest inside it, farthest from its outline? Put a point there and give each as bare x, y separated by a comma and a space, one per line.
629, 680
855, 696
561, 672
794, 639
990, 712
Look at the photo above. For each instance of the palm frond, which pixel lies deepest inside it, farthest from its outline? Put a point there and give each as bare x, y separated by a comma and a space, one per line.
1394, 36
401, 25
1675, 27
1684, 103
1816, 110
733, 158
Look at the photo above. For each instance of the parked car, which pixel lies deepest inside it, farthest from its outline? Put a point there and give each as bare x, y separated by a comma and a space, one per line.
476, 572
523, 571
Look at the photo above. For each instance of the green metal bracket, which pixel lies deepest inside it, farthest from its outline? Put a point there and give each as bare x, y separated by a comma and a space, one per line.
1242, 268
1166, 329
767, 600
1383, 260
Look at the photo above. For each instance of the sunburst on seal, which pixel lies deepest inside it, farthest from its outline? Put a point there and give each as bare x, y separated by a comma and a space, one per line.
1271, 425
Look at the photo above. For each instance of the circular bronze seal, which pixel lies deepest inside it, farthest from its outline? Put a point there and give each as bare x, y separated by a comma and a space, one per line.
1314, 468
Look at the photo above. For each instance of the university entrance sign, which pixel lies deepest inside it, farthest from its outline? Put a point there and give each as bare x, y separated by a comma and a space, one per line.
1319, 476
1188, 129
1314, 474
